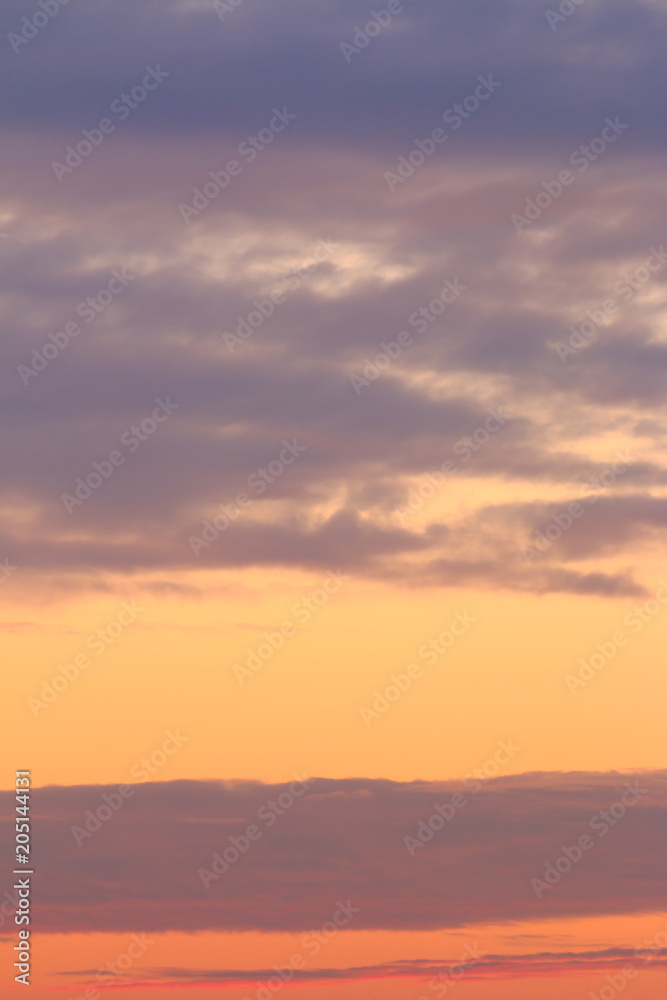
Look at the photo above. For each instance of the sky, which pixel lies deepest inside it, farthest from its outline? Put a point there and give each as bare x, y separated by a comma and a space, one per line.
333, 504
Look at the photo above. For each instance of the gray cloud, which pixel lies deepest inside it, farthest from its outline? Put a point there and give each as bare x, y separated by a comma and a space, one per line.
474, 968
324, 177
344, 839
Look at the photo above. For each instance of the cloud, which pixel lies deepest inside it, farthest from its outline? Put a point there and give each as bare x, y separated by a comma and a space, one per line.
324, 178
483, 968
607, 60
344, 839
